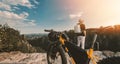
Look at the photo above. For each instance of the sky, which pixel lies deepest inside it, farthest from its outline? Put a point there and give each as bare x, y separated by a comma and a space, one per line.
33, 16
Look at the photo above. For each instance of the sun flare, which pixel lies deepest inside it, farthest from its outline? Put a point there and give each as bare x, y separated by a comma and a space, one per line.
97, 13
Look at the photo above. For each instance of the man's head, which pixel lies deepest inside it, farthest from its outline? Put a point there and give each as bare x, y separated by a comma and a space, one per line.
80, 21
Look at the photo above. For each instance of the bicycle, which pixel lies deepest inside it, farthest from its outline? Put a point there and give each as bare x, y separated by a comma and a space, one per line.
62, 45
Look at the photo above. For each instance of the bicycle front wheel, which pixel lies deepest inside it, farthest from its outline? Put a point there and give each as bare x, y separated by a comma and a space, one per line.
56, 55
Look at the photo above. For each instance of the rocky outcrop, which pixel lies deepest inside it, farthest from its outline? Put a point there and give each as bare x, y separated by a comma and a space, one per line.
12, 40
27, 58
40, 58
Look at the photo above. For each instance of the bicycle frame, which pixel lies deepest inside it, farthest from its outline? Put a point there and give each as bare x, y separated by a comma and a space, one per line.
89, 53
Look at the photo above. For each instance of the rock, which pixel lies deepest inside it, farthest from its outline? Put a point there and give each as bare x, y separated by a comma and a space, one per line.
108, 53
99, 54
27, 58
40, 58
117, 54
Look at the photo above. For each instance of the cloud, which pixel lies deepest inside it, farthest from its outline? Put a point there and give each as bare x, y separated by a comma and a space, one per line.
78, 15
36, 2
15, 20
16, 8
9, 5
24, 15
25, 3
5, 6
9, 15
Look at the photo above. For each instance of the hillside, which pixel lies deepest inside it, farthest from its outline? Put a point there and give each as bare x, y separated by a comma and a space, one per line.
108, 38
12, 40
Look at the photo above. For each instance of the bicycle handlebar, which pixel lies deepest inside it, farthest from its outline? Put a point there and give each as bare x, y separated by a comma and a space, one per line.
49, 30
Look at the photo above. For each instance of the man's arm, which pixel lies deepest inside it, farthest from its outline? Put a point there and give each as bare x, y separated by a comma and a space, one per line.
83, 28
84, 32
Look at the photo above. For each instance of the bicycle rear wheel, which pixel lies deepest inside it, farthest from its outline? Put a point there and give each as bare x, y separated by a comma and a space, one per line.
110, 60
56, 55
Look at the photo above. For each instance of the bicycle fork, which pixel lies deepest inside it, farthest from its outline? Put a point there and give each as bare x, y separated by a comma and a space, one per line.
90, 52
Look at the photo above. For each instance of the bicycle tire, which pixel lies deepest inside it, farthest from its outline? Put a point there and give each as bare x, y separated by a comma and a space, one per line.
110, 60
60, 50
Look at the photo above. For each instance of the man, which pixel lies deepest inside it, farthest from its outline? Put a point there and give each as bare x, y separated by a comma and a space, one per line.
81, 36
